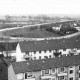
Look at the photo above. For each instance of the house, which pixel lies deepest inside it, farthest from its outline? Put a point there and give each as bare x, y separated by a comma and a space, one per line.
32, 50
59, 68
77, 27
56, 28
4, 62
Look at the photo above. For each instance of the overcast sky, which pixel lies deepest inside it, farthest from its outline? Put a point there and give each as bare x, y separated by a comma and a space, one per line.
23, 7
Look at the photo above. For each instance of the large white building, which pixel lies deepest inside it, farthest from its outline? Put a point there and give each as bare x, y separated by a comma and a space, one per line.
59, 68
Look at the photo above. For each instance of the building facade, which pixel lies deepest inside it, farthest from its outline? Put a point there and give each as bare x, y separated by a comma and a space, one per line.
61, 68
33, 50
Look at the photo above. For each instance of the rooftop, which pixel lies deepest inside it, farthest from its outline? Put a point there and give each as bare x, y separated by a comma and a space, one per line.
37, 65
67, 43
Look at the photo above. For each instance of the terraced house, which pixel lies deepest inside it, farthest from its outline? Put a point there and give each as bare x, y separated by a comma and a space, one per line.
32, 50
59, 68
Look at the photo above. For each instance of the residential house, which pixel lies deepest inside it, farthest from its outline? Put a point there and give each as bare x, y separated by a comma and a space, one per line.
32, 50
4, 62
59, 68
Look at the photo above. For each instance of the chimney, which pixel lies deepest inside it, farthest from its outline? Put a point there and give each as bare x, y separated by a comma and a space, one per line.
19, 54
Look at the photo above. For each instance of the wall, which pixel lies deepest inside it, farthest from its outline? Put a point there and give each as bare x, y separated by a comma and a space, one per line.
11, 74
20, 76
19, 54
3, 71
76, 72
42, 54
73, 74
48, 53
64, 52
37, 74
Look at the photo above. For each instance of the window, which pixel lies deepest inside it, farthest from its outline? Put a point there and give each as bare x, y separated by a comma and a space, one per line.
44, 51
71, 71
64, 55
28, 75
39, 52
34, 58
47, 71
34, 52
49, 50
39, 57
47, 79
79, 67
79, 75
71, 78
52, 70
45, 57
64, 49
25, 75
43, 72
70, 67
49, 56
62, 69
53, 79
61, 77
27, 53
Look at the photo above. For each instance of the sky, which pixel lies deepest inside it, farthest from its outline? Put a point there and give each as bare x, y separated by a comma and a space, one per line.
24, 7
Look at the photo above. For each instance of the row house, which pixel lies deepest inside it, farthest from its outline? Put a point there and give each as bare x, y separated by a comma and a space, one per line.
59, 68
32, 50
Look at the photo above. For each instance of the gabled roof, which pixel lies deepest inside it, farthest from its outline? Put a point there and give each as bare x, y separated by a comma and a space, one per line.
67, 43
6, 60
37, 65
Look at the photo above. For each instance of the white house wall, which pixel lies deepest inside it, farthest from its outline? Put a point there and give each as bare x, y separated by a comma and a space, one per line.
73, 74
37, 74
77, 73
19, 54
37, 54
20, 76
64, 52
11, 73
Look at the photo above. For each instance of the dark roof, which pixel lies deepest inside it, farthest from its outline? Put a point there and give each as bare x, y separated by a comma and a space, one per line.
67, 43
37, 65
6, 60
